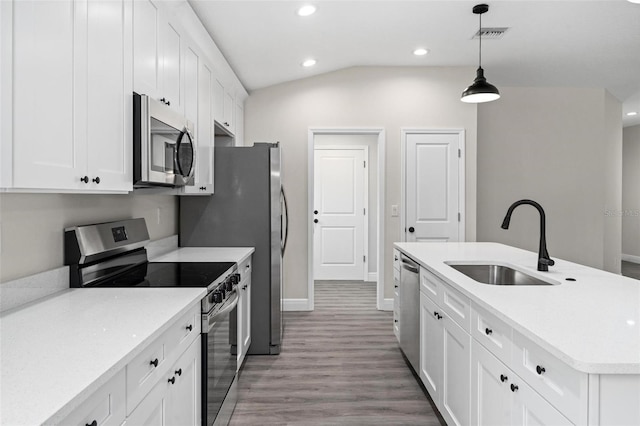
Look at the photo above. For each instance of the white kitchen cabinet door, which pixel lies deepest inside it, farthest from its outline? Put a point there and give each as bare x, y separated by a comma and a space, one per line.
183, 402
239, 124
203, 183
396, 303
147, 71
224, 106
431, 347
490, 394
229, 111
529, 408
172, 67
48, 148
455, 387
109, 95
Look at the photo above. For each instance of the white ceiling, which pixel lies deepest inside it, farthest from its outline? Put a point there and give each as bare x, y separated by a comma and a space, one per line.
549, 43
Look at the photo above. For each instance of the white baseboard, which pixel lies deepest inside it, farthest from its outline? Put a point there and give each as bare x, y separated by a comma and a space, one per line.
372, 276
295, 305
387, 305
630, 258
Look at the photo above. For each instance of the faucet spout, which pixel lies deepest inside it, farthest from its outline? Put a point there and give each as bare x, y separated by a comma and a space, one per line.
544, 261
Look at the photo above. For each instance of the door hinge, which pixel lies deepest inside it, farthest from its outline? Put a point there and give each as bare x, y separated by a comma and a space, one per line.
365, 164
459, 153
458, 216
364, 212
364, 258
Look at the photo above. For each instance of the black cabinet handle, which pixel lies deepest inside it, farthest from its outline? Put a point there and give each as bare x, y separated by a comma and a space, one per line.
503, 378
168, 103
411, 229
435, 314
395, 257
514, 388
395, 320
439, 316
189, 327
93, 423
179, 371
163, 100
84, 179
173, 380
154, 362
395, 286
315, 220
540, 370
488, 331
96, 180
226, 123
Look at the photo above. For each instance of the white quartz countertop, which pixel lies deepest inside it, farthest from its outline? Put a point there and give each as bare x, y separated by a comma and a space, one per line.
55, 352
206, 254
592, 324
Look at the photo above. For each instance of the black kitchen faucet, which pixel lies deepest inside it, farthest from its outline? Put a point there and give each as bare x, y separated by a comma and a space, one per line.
544, 261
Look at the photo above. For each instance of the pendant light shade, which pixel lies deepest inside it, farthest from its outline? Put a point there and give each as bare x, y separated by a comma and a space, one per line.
480, 90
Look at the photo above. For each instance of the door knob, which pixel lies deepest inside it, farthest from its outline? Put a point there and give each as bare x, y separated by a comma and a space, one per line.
315, 220
411, 229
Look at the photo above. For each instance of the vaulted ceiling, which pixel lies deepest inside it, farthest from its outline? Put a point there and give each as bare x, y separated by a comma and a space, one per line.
548, 43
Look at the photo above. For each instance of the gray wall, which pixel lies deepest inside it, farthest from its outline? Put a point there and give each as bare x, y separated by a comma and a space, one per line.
390, 98
562, 148
31, 225
631, 191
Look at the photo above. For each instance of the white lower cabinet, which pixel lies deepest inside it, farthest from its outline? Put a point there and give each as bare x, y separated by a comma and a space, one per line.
244, 311
500, 397
175, 399
396, 303
444, 362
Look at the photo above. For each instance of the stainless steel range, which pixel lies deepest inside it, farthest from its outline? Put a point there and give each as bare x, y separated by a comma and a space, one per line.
113, 254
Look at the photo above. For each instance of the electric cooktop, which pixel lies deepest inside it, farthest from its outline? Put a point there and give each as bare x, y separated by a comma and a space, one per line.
171, 274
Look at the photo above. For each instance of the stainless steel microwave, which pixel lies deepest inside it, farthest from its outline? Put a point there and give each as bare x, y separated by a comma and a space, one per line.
164, 151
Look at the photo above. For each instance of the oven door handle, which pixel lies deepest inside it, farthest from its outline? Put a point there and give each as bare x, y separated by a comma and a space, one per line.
209, 320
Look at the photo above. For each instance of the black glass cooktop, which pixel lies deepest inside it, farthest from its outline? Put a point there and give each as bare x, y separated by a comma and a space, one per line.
170, 274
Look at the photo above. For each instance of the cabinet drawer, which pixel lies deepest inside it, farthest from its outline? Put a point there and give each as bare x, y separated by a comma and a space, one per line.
561, 385
396, 260
431, 286
145, 370
457, 306
492, 333
106, 406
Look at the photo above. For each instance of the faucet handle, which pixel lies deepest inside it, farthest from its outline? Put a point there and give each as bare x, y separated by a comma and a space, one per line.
548, 262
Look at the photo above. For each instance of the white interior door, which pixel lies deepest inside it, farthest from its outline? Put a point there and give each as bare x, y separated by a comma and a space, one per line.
339, 214
432, 186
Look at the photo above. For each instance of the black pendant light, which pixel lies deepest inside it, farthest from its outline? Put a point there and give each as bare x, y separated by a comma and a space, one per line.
481, 90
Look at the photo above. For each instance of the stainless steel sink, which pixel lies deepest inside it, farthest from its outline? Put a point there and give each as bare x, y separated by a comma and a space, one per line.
498, 275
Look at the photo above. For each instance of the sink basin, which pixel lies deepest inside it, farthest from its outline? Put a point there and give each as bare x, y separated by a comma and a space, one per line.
497, 275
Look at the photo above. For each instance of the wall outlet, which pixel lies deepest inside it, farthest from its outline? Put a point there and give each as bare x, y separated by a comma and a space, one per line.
394, 210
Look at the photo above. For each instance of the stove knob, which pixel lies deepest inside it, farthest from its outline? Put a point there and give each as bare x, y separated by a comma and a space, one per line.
228, 285
217, 297
235, 278
238, 278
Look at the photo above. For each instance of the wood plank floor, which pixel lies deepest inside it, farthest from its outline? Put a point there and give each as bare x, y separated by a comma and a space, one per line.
339, 365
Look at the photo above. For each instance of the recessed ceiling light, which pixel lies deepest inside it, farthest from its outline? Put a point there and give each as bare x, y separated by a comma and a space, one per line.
307, 10
309, 63
632, 113
420, 52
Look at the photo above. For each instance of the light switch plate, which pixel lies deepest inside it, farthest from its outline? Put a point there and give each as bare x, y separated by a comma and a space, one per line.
394, 210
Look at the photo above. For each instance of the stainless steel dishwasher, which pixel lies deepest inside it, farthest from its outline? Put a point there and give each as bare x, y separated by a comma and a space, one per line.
410, 310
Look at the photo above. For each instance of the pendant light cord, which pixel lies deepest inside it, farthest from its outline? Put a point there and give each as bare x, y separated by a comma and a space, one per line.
480, 49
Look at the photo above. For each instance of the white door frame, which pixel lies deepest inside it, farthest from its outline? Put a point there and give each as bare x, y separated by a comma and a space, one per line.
380, 132
461, 176
365, 200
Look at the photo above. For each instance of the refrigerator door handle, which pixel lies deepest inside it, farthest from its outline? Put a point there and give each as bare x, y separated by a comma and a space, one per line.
286, 219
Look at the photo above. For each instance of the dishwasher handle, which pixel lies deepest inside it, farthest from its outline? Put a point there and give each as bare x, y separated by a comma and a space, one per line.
409, 264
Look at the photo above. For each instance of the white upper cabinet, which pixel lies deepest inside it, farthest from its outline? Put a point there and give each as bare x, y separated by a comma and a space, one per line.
157, 49
71, 115
224, 110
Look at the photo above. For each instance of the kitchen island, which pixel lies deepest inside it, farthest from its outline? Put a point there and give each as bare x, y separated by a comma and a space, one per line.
573, 346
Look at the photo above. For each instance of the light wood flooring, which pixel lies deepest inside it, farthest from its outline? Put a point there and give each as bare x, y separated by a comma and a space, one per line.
339, 365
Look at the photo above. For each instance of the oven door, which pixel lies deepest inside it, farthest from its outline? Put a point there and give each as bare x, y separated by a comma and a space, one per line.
219, 394
165, 143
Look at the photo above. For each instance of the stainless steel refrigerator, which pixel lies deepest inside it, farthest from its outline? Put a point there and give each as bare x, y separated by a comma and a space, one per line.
247, 209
